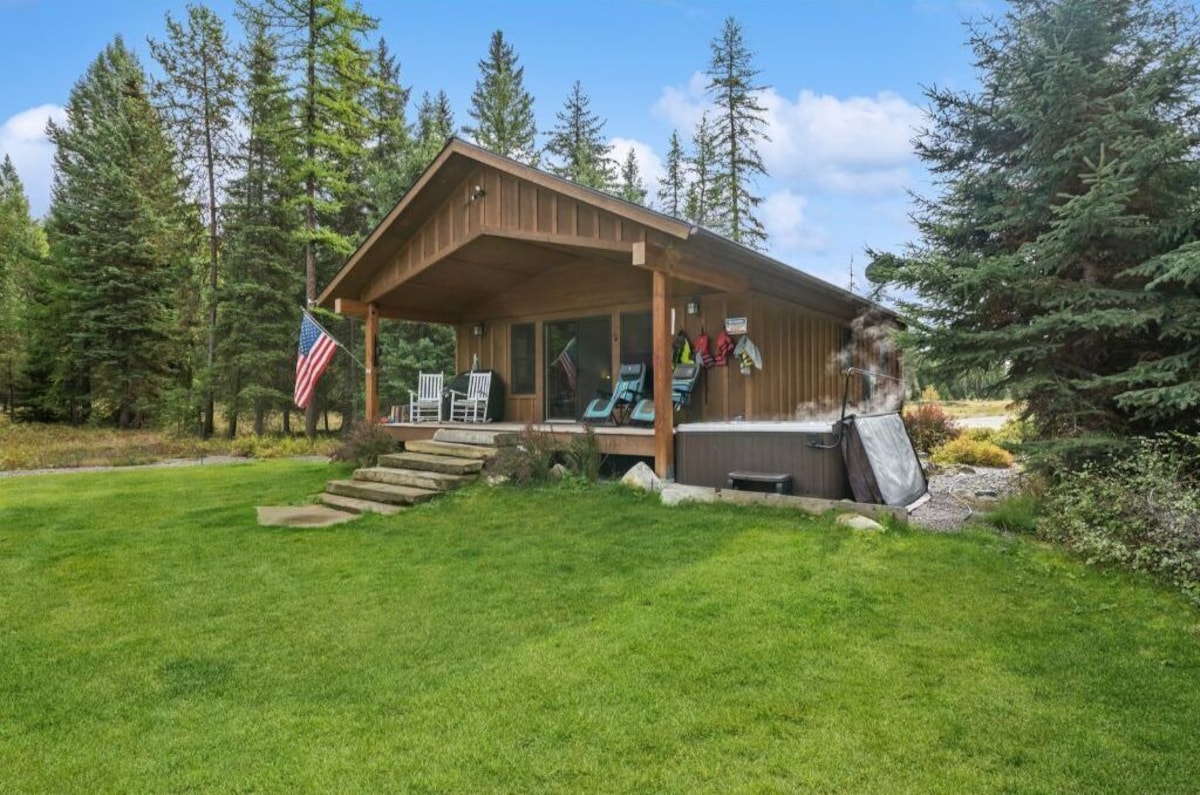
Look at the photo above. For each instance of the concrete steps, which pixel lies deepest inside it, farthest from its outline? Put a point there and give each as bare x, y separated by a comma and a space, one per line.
454, 458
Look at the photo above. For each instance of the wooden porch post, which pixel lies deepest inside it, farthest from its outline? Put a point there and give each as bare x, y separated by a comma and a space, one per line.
664, 412
372, 335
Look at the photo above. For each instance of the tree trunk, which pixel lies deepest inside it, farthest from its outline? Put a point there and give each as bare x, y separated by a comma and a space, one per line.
260, 417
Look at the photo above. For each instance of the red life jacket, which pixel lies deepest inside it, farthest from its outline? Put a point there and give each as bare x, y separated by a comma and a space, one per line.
724, 349
704, 350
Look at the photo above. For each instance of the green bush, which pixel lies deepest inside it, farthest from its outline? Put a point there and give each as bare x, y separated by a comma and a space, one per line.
929, 427
363, 445
583, 456
1015, 514
972, 452
1140, 511
526, 461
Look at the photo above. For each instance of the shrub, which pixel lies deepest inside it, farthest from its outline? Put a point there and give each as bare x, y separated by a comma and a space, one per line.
930, 394
1140, 511
972, 452
583, 456
929, 427
526, 461
363, 445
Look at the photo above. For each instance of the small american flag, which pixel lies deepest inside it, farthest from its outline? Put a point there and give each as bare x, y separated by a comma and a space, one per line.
566, 361
316, 349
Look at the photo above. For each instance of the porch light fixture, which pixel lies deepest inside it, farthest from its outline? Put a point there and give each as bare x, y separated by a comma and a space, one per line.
477, 330
693, 306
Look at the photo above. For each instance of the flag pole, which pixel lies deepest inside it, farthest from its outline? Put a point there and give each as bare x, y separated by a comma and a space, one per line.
335, 339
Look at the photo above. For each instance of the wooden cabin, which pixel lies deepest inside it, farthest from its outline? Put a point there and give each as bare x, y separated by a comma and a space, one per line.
525, 265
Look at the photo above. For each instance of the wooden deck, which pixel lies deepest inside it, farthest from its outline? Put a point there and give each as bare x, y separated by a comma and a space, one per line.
613, 440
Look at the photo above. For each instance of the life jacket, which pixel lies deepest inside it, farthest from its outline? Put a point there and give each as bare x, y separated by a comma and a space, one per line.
704, 350
681, 350
724, 349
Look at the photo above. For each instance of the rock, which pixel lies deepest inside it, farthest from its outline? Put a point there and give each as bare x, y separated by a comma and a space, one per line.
302, 516
558, 472
642, 477
858, 522
496, 480
674, 494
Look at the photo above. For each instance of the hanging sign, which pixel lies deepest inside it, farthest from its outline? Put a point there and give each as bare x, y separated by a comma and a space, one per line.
735, 325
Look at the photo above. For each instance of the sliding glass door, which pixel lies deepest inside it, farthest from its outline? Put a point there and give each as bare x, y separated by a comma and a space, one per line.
578, 364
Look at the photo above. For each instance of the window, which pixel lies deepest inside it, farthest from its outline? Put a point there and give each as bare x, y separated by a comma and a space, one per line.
522, 376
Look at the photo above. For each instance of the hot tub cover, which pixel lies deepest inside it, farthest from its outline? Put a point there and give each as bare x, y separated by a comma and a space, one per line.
881, 461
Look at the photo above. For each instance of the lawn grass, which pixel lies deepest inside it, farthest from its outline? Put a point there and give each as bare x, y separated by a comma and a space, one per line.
153, 638
962, 409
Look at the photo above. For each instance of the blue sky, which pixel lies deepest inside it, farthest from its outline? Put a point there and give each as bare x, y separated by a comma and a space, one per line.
845, 80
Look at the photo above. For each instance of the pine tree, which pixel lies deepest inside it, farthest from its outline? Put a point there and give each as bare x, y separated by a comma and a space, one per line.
262, 286
121, 238
501, 107
701, 203
738, 127
435, 125
577, 144
197, 99
1063, 241
632, 188
672, 193
22, 251
391, 166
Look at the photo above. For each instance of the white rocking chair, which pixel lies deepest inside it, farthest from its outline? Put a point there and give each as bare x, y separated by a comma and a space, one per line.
425, 404
471, 406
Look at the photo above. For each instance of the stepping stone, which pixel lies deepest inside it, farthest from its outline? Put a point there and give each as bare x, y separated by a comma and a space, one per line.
379, 492
432, 463
302, 516
474, 436
451, 449
351, 505
434, 481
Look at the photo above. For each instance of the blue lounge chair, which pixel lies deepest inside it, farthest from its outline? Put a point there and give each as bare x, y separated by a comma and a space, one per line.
631, 382
683, 383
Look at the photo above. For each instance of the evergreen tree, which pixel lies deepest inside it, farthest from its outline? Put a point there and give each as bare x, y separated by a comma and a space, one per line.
700, 207
197, 99
1063, 242
577, 144
391, 165
262, 286
737, 129
22, 251
672, 193
435, 125
632, 188
501, 107
121, 238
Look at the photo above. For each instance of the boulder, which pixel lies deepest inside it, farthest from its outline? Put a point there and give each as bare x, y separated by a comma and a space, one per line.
858, 522
642, 477
558, 472
675, 493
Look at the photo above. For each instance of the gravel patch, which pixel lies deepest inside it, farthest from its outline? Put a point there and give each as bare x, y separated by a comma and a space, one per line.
958, 493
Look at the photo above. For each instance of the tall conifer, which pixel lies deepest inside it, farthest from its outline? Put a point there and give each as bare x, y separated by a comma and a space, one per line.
672, 193
576, 144
501, 107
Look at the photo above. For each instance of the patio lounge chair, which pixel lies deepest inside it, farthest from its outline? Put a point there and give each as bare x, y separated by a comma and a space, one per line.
631, 383
425, 404
472, 405
683, 383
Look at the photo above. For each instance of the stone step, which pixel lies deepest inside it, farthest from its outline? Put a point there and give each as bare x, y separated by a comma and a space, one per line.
352, 505
434, 481
432, 463
451, 449
379, 492
475, 436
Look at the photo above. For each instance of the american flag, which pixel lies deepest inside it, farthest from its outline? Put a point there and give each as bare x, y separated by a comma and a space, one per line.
566, 361
316, 349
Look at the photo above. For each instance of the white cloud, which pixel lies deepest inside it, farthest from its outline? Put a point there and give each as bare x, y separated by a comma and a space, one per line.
649, 163
853, 145
784, 215
23, 138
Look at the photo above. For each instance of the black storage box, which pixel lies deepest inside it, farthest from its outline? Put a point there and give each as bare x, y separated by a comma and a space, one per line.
495, 406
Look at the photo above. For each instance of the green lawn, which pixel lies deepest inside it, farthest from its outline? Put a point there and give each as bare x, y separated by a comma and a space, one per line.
153, 638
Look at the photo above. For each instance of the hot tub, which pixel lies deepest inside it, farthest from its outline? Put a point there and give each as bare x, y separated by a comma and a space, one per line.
706, 452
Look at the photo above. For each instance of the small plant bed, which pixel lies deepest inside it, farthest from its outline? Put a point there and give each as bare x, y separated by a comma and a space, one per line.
564, 638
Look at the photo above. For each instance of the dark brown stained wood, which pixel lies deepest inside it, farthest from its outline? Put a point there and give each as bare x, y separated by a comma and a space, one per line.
655, 257
567, 289
545, 212
510, 203
527, 206
664, 413
705, 458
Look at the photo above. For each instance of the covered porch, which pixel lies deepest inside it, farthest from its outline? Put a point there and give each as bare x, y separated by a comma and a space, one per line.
613, 440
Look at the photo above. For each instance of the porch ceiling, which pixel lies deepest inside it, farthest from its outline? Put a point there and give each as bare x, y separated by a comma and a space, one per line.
490, 264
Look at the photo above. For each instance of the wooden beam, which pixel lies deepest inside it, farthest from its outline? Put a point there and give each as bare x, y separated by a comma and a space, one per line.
348, 306
674, 263
664, 410
372, 337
